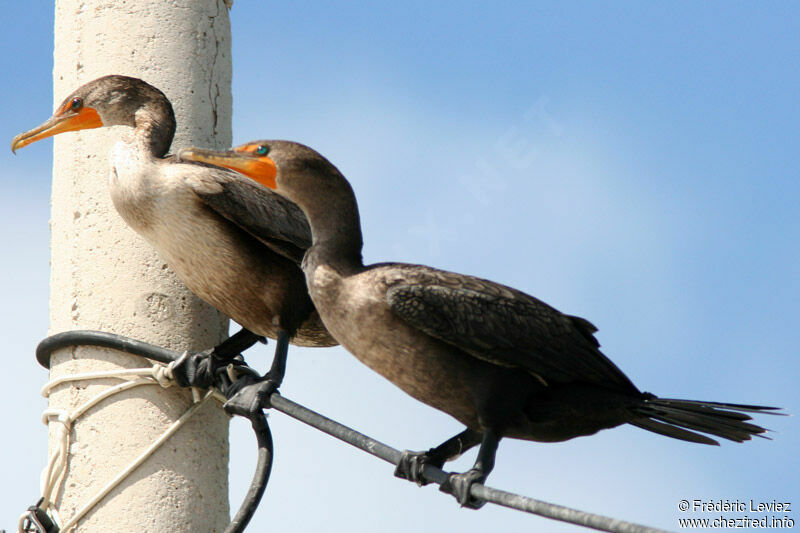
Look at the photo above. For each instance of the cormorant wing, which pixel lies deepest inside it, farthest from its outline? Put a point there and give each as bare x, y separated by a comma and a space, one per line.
269, 217
506, 327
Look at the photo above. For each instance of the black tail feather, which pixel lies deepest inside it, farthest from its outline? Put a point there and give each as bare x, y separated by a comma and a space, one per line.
673, 431
762, 409
737, 430
675, 418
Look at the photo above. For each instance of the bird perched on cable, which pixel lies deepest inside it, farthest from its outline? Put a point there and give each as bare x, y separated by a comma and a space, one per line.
234, 243
501, 362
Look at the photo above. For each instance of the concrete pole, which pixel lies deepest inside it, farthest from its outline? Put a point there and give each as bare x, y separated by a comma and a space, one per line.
104, 276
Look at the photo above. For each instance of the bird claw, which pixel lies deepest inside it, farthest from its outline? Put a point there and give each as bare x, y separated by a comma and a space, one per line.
411, 465
459, 486
249, 396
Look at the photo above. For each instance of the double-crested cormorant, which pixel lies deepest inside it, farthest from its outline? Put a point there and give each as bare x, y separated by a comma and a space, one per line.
500, 361
234, 243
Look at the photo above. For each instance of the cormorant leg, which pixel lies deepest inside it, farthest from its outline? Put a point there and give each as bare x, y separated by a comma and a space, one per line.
459, 484
412, 464
236, 344
248, 395
278, 368
199, 369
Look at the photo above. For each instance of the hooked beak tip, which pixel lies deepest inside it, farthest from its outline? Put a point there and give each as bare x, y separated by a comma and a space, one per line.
17, 142
87, 118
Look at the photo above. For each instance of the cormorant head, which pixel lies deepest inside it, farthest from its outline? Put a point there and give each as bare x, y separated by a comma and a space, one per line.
108, 101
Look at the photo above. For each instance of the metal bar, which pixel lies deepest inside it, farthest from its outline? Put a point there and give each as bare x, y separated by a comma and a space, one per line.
438, 476
345, 434
334, 429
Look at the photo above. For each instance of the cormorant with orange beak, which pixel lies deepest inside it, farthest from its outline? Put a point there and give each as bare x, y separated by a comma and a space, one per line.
501, 362
234, 243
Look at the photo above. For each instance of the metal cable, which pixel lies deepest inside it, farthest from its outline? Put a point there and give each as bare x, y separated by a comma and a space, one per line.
341, 432
105, 340
260, 477
438, 476
124, 344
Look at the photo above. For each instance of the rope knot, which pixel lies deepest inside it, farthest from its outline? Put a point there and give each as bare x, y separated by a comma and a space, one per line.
163, 375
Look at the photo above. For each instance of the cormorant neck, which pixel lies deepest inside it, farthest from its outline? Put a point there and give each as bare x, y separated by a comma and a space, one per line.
154, 126
335, 228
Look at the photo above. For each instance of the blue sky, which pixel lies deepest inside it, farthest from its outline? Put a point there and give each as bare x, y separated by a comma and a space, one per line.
632, 163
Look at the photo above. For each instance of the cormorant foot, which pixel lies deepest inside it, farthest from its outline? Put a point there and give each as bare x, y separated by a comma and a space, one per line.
459, 486
195, 369
412, 464
248, 395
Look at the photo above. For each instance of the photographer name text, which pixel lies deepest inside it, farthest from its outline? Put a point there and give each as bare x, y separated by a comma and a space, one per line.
735, 506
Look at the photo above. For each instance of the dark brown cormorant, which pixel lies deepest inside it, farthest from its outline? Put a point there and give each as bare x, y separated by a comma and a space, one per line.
234, 243
503, 363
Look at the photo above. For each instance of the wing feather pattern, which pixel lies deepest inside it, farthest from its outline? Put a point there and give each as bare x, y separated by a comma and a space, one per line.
277, 222
505, 327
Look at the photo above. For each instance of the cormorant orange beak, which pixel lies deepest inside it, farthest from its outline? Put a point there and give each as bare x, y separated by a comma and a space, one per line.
242, 159
63, 120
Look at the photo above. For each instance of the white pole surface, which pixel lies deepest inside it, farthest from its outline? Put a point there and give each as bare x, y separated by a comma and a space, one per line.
105, 277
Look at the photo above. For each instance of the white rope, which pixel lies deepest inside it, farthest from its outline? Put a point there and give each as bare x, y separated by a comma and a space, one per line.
53, 474
136, 462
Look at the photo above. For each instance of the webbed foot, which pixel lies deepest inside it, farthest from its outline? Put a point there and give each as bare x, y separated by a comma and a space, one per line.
202, 369
459, 486
248, 396
412, 465
196, 369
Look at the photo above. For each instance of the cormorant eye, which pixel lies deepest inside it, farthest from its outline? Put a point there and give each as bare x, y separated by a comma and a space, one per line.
262, 150
76, 104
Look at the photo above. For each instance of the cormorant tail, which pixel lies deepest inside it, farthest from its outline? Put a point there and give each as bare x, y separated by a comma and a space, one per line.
677, 419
